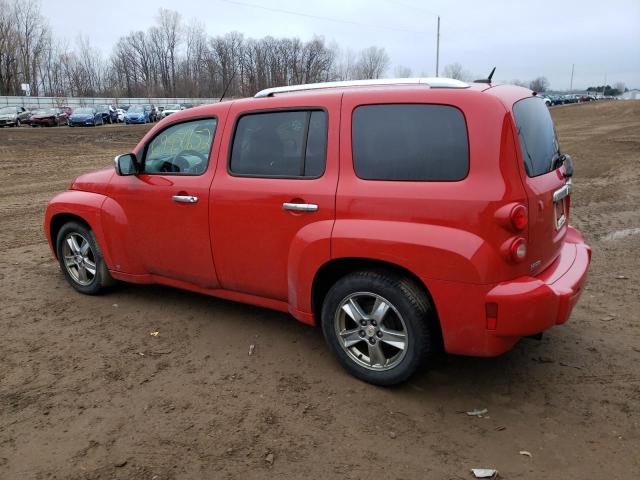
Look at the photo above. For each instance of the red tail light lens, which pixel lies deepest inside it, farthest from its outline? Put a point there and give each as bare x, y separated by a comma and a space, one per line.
519, 217
519, 249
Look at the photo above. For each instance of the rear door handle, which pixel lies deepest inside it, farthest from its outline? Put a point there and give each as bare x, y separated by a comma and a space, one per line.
300, 207
184, 199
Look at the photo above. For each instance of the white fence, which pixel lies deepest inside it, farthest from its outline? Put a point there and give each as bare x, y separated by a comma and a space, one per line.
74, 102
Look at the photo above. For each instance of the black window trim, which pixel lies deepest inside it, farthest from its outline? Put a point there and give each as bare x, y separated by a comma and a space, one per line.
173, 124
308, 110
466, 127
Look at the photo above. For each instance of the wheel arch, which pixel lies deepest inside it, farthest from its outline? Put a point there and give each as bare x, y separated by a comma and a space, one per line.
58, 221
333, 270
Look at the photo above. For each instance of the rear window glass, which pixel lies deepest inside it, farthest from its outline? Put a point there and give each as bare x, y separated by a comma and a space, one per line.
410, 142
537, 135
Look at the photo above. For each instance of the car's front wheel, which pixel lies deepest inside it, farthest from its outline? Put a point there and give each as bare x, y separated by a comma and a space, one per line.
81, 260
379, 325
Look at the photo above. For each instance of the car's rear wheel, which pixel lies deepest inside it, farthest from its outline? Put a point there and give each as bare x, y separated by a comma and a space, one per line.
18, 124
81, 260
379, 325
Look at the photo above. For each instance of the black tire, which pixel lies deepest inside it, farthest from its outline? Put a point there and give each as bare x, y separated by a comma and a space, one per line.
411, 303
18, 123
102, 279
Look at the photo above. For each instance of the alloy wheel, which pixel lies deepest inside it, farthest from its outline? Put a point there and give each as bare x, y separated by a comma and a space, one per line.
79, 258
371, 331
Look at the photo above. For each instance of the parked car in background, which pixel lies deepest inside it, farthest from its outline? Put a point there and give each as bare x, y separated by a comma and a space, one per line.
137, 114
397, 217
556, 99
109, 114
546, 99
49, 117
169, 109
121, 113
153, 113
86, 117
14, 116
186, 105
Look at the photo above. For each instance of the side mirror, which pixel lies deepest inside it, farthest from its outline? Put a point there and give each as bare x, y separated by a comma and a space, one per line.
126, 164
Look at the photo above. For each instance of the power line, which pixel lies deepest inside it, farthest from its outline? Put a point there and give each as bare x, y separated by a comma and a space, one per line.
406, 5
318, 17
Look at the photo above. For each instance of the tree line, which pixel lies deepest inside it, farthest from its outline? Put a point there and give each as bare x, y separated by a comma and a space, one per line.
173, 58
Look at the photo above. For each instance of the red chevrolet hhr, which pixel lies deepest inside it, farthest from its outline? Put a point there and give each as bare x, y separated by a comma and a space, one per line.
403, 216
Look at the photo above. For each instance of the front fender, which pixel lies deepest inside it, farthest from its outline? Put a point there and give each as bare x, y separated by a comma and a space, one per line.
429, 251
85, 205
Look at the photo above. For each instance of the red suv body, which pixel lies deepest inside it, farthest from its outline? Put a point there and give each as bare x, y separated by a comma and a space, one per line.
329, 203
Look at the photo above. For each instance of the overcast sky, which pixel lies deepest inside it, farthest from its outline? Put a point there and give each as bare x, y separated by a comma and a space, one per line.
522, 39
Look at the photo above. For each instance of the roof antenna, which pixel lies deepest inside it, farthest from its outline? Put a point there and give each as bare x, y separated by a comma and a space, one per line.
488, 79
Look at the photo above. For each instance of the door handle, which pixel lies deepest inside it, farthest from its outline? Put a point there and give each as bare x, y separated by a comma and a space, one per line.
300, 207
184, 199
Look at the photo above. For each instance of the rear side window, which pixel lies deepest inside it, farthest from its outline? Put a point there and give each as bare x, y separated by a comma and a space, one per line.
410, 142
290, 144
536, 134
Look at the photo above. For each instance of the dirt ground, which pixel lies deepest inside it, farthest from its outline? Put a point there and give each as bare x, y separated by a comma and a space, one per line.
87, 393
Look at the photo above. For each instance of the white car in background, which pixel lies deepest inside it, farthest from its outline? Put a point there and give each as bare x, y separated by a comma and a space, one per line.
169, 109
120, 113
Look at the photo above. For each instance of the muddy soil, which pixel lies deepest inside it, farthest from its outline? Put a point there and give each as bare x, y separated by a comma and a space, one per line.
87, 393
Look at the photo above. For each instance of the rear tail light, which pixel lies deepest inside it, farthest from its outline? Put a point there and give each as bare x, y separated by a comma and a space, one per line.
519, 217
518, 249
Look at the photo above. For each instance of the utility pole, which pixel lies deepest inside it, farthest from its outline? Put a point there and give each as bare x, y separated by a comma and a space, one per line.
438, 48
571, 85
604, 87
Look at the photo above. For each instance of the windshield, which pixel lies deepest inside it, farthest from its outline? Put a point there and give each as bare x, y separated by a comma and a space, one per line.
5, 110
172, 107
537, 135
84, 111
46, 111
136, 109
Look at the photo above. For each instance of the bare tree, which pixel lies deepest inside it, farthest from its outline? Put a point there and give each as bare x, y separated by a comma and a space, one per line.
540, 84
456, 71
168, 60
169, 31
402, 72
9, 84
620, 86
373, 63
32, 34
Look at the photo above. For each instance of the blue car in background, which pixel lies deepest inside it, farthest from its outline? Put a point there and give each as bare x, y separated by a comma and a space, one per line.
85, 116
137, 114
109, 114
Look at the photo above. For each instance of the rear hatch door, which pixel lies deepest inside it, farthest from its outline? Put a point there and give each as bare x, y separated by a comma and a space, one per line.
544, 180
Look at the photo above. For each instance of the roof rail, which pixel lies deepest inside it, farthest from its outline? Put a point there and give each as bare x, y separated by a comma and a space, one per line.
433, 82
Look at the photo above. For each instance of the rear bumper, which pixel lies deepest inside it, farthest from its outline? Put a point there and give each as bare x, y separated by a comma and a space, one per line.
493, 318
530, 305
